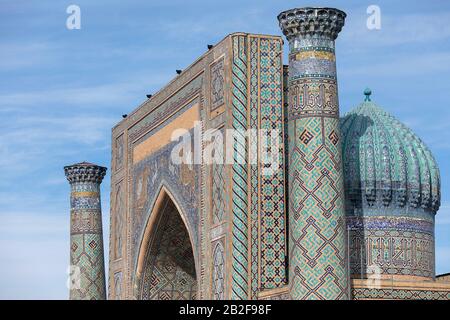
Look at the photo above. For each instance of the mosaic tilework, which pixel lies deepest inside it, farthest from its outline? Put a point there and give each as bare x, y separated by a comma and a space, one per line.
317, 248
217, 84
272, 244
394, 245
282, 294
218, 271
286, 162
315, 63
86, 239
254, 182
183, 96
218, 186
118, 222
181, 180
118, 277
239, 286
120, 152
312, 97
257, 79
169, 272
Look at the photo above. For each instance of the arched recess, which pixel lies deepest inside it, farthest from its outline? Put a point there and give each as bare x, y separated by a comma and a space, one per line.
166, 265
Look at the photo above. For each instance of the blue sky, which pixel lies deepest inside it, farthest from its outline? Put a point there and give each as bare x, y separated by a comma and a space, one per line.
61, 91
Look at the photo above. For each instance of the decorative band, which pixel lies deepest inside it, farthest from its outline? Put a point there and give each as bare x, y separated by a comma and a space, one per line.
85, 203
85, 222
390, 223
313, 54
79, 194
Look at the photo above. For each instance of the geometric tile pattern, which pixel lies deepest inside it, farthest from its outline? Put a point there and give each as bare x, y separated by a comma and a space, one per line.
217, 84
86, 238
169, 272
272, 246
118, 222
218, 271
118, 285
218, 186
374, 293
254, 177
120, 156
239, 287
317, 233
257, 104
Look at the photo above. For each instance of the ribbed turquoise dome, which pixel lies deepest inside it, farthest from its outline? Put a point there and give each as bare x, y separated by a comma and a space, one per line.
386, 166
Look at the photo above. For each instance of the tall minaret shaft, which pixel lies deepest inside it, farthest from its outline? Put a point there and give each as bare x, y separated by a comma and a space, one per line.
86, 239
317, 235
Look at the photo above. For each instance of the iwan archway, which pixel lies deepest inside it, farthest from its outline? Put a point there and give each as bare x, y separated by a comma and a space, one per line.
166, 264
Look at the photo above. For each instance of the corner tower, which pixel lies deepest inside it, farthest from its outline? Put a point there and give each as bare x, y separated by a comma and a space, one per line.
317, 236
86, 238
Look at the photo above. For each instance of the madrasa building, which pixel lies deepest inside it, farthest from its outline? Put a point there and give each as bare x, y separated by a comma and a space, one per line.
344, 209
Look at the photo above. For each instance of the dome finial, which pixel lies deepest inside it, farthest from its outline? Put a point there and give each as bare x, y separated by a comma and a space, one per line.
367, 93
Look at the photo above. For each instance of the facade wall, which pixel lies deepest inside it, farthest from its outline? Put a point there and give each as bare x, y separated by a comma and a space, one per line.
235, 215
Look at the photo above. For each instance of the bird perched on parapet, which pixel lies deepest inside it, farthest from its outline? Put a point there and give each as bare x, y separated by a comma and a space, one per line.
149, 96
124, 116
210, 46
179, 71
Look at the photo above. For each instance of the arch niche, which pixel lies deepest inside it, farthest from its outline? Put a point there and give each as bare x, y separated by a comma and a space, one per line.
166, 265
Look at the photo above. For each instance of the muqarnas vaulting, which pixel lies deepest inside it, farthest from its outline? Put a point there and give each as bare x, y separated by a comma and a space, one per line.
348, 214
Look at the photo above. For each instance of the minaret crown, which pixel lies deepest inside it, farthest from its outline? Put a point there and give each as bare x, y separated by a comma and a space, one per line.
312, 22
85, 172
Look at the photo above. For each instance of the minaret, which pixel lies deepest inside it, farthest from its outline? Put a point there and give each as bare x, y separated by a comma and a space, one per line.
317, 236
86, 239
